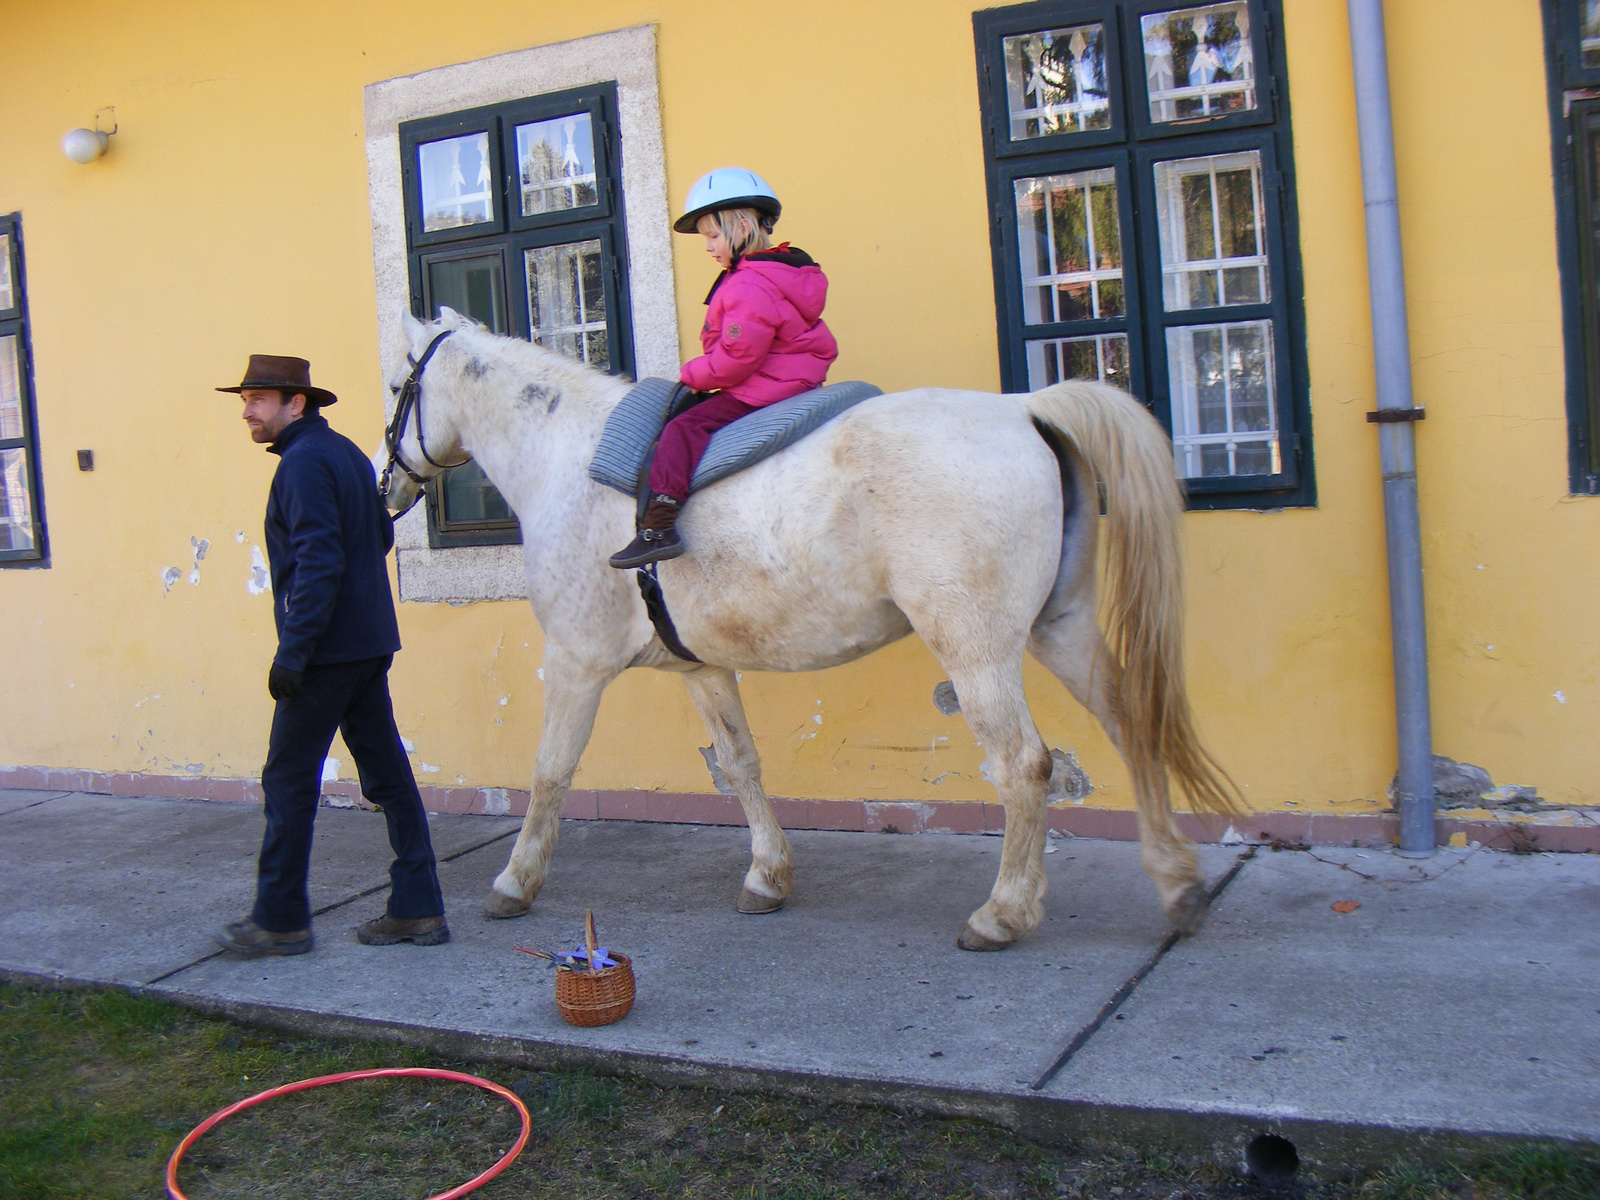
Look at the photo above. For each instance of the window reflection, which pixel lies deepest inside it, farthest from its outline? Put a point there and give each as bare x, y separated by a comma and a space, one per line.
16, 505
1056, 81
1102, 356
567, 301
8, 294
1198, 62
1209, 222
1589, 36
457, 182
1071, 247
555, 162
10, 389
1223, 417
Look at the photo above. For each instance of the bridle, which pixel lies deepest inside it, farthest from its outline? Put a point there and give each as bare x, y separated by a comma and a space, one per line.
408, 400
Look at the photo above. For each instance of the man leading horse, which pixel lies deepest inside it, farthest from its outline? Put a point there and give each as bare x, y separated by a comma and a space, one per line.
327, 534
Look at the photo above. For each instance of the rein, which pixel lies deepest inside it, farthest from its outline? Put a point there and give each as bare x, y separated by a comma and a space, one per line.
408, 400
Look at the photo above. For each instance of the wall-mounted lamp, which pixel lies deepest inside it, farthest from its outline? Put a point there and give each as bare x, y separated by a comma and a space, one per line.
86, 145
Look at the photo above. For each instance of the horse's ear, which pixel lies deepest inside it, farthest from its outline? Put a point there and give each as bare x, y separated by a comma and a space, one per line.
415, 331
449, 318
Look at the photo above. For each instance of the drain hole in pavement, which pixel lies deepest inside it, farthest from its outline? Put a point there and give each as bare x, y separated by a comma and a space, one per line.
1272, 1159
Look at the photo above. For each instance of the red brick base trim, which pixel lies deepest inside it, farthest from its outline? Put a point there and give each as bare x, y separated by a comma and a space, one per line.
858, 816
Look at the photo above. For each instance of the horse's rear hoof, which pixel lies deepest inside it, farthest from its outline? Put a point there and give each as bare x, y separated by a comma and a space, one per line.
1188, 911
754, 903
971, 939
500, 907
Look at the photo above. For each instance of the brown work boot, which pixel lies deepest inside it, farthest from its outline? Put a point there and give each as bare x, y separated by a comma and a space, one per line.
248, 940
657, 539
387, 930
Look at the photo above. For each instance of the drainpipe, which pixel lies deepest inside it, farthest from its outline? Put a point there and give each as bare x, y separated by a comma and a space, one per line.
1395, 418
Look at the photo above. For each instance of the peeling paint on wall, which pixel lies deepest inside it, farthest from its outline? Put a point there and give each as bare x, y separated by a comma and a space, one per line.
169, 576
259, 581
330, 770
1068, 780
718, 779
200, 546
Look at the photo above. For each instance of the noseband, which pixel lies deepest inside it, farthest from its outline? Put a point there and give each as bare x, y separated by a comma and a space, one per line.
408, 400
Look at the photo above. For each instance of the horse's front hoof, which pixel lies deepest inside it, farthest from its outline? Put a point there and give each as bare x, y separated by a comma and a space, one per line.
501, 907
1188, 912
754, 903
971, 939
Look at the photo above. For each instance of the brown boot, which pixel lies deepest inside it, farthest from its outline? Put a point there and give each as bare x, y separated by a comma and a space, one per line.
657, 539
387, 930
248, 940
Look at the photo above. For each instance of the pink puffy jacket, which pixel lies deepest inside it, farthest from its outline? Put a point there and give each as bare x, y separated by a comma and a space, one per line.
764, 337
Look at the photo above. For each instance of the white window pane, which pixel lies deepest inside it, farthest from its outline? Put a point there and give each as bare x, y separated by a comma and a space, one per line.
1209, 218
1198, 62
1103, 357
1224, 415
10, 389
1070, 239
1590, 34
8, 294
457, 182
567, 301
16, 503
555, 163
1056, 81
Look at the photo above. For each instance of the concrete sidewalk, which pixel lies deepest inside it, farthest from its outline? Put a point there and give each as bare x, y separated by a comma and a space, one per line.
1457, 1005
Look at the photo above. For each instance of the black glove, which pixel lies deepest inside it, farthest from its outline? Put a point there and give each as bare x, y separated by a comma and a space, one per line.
283, 683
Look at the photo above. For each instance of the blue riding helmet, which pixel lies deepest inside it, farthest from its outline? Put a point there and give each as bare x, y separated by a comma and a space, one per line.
729, 187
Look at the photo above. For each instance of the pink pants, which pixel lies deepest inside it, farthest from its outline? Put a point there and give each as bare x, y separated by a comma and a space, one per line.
684, 440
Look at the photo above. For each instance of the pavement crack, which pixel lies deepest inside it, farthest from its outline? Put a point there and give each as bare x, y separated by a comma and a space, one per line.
350, 899
1120, 996
1420, 874
36, 803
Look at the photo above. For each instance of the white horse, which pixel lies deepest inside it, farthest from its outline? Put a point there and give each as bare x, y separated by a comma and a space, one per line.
968, 518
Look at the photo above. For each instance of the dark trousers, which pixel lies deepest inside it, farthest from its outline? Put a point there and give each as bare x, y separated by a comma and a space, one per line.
684, 440
353, 698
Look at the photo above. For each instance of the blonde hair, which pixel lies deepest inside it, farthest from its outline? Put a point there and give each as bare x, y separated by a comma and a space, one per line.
744, 228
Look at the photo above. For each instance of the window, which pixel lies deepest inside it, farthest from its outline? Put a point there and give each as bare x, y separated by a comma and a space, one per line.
514, 218
1140, 181
1572, 50
22, 540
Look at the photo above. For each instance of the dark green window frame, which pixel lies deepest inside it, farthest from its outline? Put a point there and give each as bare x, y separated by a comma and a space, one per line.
23, 541
482, 268
1573, 77
1124, 142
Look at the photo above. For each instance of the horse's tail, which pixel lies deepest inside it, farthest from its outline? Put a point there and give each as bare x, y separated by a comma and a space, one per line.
1131, 457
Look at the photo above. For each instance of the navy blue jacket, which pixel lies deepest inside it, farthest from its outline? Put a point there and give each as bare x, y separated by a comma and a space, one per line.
327, 534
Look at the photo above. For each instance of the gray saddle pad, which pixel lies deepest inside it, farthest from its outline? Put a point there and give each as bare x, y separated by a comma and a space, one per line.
637, 420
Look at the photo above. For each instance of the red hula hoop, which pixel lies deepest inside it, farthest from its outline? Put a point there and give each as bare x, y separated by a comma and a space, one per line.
473, 1184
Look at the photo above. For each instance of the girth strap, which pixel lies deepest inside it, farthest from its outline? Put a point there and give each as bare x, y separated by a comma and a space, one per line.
655, 604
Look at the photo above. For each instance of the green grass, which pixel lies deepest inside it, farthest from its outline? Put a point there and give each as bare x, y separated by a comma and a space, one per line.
96, 1087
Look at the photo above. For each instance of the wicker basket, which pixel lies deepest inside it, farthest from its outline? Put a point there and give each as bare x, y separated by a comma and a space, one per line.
590, 998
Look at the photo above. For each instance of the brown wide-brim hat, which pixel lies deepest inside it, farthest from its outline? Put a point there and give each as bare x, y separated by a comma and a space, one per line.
278, 372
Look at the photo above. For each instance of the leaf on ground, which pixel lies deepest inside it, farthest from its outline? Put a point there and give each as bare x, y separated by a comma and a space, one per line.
1346, 906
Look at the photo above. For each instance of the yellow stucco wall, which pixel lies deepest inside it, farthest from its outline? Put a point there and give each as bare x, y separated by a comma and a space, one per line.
232, 215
